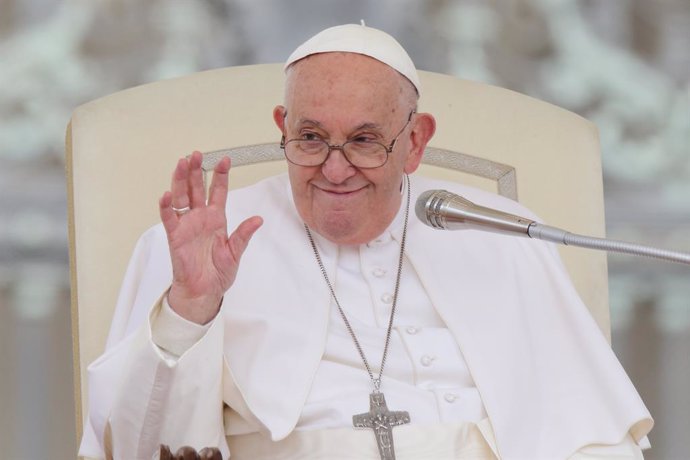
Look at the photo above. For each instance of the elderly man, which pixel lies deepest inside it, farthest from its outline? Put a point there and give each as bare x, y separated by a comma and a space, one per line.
285, 347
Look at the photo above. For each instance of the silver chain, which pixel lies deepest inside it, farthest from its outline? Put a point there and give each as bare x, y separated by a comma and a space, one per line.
375, 380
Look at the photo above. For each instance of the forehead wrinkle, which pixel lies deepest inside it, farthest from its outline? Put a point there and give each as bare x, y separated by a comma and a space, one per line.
318, 124
369, 125
308, 121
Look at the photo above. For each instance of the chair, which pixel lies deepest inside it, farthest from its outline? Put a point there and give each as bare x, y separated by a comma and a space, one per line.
122, 148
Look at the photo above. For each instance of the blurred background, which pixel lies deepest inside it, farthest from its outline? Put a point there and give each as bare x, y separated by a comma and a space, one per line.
623, 64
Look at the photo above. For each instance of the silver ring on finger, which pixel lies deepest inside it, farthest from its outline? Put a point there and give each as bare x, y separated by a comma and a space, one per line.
181, 211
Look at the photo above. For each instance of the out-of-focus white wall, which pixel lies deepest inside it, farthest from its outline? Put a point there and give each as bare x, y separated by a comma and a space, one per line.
622, 64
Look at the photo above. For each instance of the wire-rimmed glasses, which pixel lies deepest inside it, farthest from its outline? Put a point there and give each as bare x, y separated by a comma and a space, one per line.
361, 153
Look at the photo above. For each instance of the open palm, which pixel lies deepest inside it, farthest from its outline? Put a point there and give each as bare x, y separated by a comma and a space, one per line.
205, 259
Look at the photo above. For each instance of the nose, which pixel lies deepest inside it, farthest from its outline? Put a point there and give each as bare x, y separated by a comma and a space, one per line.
337, 168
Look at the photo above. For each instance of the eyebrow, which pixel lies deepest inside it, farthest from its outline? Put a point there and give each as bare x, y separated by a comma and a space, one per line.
366, 125
307, 121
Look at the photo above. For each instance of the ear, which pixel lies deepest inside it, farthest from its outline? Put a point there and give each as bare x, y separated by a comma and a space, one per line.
279, 117
423, 129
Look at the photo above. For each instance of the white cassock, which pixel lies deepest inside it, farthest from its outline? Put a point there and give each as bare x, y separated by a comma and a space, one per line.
518, 346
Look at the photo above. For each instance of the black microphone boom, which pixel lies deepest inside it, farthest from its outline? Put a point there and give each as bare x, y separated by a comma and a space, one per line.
444, 210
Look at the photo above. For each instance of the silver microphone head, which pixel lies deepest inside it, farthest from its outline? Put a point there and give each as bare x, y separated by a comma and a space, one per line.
428, 207
442, 209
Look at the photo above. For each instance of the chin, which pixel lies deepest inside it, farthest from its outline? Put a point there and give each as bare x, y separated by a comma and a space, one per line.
342, 231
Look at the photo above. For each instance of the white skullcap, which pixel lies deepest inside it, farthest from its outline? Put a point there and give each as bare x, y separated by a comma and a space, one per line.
360, 39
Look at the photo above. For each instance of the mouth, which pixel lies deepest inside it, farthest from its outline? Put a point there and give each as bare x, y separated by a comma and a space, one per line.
339, 193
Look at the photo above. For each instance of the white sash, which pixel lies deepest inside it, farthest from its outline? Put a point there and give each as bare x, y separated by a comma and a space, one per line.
456, 441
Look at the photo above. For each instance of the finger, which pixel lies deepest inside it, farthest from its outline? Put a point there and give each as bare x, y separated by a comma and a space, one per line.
196, 181
239, 239
218, 193
168, 216
229, 250
179, 185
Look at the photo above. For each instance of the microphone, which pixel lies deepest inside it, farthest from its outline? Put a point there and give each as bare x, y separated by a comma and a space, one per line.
443, 210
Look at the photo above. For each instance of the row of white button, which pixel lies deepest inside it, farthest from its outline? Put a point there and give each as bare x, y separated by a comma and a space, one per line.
450, 397
378, 272
435, 356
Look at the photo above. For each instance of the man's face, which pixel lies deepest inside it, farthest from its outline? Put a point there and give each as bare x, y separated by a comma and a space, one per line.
339, 97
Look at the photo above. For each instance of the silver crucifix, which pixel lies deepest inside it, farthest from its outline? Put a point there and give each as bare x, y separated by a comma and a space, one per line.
382, 421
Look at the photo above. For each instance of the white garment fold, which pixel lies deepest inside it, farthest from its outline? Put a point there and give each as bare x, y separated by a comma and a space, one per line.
546, 375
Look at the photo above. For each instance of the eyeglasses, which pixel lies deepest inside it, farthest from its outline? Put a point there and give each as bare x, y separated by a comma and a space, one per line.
361, 153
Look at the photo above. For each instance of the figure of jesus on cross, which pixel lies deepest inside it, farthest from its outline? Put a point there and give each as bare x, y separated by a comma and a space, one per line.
382, 421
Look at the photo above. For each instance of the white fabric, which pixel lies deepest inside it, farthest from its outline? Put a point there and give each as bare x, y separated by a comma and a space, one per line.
459, 441
174, 334
448, 441
426, 373
548, 379
353, 38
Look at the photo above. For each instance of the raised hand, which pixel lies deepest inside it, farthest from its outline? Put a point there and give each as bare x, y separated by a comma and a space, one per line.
204, 258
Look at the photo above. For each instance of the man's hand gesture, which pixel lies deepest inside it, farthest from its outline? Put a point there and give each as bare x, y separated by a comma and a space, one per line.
204, 258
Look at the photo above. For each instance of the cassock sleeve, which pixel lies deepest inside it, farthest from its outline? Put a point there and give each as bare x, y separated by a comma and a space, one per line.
626, 449
144, 398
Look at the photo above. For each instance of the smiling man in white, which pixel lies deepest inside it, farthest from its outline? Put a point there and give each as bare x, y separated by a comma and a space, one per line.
268, 334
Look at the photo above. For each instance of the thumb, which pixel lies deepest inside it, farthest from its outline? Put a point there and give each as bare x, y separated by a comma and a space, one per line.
239, 239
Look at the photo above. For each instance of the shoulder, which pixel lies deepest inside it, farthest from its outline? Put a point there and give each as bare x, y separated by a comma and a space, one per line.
421, 184
273, 190
267, 186
268, 197
474, 240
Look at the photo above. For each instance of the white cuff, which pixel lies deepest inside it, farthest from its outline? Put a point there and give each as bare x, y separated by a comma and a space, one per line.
174, 334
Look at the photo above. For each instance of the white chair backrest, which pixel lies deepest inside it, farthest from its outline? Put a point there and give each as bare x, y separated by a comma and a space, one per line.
122, 148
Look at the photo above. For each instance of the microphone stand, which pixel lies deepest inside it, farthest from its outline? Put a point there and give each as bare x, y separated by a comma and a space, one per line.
556, 235
441, 209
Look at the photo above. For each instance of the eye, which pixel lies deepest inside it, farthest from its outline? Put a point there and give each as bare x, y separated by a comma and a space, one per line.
363, 139
309, 136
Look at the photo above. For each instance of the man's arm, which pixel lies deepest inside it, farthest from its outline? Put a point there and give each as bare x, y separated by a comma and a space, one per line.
136, 389
147, 398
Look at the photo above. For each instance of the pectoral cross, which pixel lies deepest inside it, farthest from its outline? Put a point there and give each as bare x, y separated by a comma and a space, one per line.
382, 421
